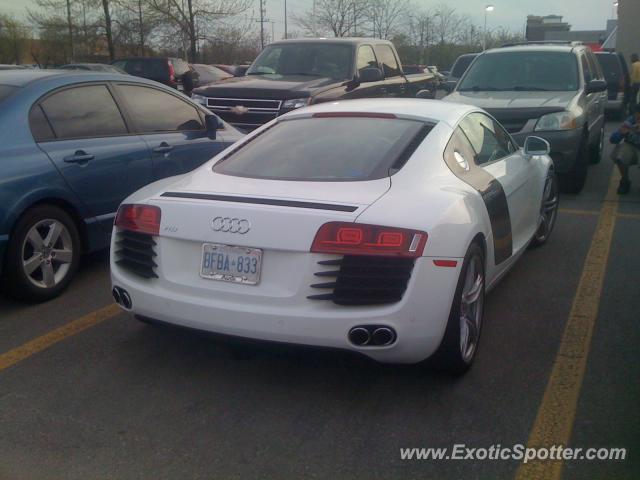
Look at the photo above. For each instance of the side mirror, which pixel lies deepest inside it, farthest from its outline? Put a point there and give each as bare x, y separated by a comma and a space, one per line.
449, 85
536, 146
370, 74
596, 86
212, 123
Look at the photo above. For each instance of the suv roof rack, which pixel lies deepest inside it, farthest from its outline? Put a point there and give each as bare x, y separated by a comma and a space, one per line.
569, 43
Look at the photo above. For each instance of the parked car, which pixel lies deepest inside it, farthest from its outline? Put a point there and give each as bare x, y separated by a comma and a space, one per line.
173, 72
93, 67
616, 73
11, 67
290, 74
209, 74
554, 91
457, 70
313, 230
72, 146
233, 70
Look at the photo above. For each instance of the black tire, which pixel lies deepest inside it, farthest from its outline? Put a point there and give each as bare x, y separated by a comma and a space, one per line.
548, 211
449, 356
595, 151
573, 181
21, 285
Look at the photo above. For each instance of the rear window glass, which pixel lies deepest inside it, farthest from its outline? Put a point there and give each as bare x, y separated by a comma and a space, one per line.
610, 66
327, 149
148, 68
6, 91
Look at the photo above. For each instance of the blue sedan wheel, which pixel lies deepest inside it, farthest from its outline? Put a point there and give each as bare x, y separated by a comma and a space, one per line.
43, 254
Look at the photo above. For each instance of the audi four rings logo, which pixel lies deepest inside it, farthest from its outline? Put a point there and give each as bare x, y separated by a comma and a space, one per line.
231, 225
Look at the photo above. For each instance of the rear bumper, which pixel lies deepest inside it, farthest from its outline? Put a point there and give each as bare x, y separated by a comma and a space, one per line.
564, 146
419, 319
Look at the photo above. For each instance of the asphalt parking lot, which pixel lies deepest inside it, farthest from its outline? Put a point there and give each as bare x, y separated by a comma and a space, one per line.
88, 392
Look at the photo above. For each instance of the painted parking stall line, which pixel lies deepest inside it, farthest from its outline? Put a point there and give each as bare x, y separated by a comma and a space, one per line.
38, 344
554, 422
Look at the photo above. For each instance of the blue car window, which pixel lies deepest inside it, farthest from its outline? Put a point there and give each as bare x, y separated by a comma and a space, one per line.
155, 111
81, 112
40, 128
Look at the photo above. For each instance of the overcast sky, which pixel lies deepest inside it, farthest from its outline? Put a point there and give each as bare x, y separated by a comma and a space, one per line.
581, 14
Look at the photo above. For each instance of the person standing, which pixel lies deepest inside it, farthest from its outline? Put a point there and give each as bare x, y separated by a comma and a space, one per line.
635, 82
627, 148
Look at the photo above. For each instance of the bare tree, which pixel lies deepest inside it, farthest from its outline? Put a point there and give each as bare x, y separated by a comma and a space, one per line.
386, 16
336, 17
13, 40
183, 15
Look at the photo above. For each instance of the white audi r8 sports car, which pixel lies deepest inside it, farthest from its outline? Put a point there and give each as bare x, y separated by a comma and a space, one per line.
369, 225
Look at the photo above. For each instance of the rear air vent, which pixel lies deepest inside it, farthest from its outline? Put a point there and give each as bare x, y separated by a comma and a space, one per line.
363, 280
135, 253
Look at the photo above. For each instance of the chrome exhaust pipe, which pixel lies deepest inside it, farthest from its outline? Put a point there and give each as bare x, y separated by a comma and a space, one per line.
383, 336
116, 295
122, 297
359, 336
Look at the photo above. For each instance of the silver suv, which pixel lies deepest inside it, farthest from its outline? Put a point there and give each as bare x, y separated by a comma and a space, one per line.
554, 91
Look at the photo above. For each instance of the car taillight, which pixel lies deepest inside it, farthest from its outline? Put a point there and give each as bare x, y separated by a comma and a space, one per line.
172, 72
139, 218
363, 239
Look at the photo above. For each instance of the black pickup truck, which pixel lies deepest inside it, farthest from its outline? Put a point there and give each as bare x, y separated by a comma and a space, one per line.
290, 74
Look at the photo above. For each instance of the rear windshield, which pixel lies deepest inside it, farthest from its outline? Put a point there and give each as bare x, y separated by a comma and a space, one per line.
6, 91
327, 149
522, 71
610, 66
461, 65
149, 68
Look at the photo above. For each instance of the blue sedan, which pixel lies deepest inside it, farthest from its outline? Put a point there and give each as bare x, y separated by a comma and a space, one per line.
73, 145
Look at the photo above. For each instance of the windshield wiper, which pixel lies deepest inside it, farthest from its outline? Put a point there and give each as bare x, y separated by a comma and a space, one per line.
477, 88
519, 88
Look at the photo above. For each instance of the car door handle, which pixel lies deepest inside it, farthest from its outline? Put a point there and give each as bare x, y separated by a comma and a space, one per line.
164, 147
79, 157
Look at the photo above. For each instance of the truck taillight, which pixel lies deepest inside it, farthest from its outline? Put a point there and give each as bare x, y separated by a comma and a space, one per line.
363, 239
139, 218
172, 71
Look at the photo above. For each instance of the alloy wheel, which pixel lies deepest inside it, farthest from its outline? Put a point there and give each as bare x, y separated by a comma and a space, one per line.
47, 253
471, 308
549, 209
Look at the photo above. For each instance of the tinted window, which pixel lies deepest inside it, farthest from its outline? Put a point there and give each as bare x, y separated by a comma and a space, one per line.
461, 65
210, 74
147, 68
40, 128
366, 58
307, 59
594, 66
339, 149
84, 112
522, 70
6, 90
156, 111
388, 60
610, 66
487, 138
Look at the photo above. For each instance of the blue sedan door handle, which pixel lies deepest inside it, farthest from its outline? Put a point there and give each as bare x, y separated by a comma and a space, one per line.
164, 147
79, 157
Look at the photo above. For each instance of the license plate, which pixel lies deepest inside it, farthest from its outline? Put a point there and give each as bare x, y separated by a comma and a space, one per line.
231, 264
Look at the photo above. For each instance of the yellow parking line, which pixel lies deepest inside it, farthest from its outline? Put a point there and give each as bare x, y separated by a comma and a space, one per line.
554, 422
43, 342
